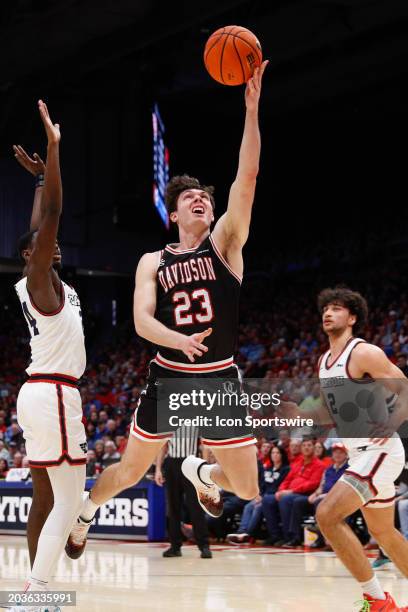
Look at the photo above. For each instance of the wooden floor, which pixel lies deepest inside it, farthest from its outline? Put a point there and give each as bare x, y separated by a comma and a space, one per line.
119, 576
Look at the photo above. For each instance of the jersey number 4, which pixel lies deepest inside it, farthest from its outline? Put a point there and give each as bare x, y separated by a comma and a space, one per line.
30, 320
182, 311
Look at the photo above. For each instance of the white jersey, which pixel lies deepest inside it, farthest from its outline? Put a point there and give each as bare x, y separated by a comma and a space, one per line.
354, 404
57, 338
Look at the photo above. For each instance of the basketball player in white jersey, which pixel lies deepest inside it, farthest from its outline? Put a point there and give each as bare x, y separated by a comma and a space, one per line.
374, 462
186, 302
49, 407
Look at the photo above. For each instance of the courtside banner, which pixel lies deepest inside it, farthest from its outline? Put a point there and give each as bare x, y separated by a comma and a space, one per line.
335, 407
137, 513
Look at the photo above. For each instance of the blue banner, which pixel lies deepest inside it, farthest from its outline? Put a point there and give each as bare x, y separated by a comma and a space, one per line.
137, 513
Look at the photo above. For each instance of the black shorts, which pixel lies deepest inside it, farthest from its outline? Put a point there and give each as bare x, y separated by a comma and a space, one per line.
147, 427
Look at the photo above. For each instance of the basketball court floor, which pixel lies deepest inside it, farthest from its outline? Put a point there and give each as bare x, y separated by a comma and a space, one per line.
118, 576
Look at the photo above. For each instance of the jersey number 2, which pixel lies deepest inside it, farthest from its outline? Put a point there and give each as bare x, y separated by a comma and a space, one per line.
182, 314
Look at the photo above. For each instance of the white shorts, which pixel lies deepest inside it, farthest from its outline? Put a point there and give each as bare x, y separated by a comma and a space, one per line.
50, 415
373, 471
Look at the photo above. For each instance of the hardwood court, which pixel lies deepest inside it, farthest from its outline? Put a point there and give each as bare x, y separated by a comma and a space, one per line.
118, 576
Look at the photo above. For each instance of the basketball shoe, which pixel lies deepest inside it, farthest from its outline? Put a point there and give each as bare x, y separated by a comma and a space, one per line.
76, 542
208, 494
381, 605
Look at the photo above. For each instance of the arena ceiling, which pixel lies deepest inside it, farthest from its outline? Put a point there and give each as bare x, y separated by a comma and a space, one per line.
319, 49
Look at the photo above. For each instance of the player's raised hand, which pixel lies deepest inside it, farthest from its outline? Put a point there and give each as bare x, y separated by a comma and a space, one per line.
193, 346
253, 87
52, 129
33, 164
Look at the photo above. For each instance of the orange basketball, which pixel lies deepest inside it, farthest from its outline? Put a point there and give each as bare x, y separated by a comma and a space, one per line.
231, 54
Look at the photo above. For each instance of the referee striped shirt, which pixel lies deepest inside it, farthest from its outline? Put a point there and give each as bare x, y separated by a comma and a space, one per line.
184, 442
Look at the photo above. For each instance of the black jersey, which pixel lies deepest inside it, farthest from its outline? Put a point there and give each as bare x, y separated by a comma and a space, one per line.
197, 289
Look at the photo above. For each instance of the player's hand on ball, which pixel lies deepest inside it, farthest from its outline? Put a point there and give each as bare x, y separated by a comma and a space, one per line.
193, 346
253, 87
52, 129
33, 164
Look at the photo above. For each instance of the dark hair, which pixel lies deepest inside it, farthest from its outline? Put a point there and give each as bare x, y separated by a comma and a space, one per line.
284, 454
178, 184
24, 242
324, 451
352, 300
308, 438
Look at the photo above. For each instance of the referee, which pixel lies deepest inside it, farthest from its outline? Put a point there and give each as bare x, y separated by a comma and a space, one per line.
183, 443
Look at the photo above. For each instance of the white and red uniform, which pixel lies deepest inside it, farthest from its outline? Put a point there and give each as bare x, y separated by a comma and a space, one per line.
49, 406
355, 404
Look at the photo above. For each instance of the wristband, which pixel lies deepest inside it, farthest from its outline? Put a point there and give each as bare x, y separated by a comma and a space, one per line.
39, 180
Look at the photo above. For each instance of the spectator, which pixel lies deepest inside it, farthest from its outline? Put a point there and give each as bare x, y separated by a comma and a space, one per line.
295, 450
4, 454
111, 454
13, 449
91, 464
330, 476
3, 468
321, 453
111, 427
13, 433
264, 454
402, 363
232, 505
303, 478
101, 430
284, 440
3, 426
120, 421
17, 460
252, 514
99, 449
90, 434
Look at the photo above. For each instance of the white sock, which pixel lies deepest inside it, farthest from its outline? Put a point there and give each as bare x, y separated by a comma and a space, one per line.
205, 473
46, 557
88, 509
373, 588
67, 485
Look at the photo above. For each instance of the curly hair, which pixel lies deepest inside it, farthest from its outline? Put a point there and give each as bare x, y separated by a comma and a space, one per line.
178, 184
352, 300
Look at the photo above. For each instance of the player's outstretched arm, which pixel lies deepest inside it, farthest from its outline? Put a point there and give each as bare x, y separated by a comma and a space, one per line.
36, 167
51, 206
233, 226
144, 307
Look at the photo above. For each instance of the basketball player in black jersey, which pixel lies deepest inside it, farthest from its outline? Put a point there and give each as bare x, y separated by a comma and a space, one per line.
186, 303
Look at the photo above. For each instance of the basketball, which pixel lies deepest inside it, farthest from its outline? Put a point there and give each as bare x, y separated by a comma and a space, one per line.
231, 54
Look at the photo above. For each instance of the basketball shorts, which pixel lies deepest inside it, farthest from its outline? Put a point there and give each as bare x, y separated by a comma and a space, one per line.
49, 411
145, 423
373, 471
